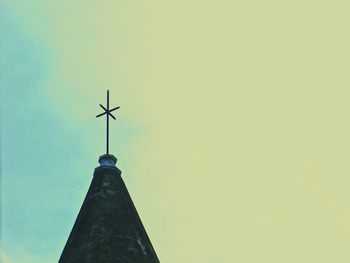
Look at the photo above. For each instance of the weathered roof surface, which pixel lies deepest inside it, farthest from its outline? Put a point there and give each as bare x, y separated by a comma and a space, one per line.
108, 228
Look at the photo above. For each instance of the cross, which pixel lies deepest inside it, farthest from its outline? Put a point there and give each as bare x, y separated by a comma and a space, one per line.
108, 114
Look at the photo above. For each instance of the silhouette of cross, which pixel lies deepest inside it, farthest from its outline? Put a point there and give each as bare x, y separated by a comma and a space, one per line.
108, 113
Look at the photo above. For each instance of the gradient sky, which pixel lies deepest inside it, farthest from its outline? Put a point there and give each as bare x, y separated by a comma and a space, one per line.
233, 135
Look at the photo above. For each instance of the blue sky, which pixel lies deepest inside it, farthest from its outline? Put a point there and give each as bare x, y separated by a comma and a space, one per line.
232, 136
38, 151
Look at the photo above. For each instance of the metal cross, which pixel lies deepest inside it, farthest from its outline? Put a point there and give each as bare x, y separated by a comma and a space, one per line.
108, 113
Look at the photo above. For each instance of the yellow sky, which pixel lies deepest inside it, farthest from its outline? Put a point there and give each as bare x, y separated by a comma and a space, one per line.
244, 108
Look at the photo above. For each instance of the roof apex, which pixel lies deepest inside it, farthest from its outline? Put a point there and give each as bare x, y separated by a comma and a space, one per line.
107, 160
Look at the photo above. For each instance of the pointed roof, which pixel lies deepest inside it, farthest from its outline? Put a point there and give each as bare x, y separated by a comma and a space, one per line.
108, 228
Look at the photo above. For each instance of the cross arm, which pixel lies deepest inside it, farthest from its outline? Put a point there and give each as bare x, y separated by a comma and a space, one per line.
103, 107
114, 109
110, 114
101, 114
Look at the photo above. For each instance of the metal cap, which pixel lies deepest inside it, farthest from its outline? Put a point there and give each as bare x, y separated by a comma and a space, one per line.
107, 160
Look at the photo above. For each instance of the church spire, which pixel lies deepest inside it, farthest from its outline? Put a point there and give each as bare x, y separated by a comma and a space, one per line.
108, 228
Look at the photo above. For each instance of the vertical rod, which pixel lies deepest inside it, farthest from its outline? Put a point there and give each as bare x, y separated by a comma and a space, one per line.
107, 116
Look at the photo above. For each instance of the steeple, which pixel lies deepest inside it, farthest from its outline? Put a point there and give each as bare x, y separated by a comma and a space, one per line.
108, 228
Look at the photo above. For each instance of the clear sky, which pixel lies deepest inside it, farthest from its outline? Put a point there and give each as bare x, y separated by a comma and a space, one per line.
233, 135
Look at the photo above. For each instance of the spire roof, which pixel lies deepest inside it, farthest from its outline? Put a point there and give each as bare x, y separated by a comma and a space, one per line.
108, 228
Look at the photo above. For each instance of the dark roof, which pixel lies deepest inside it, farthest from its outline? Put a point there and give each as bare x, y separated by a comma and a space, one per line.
108, 228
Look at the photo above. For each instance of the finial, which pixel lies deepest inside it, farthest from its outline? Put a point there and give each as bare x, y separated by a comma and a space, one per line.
107, 160
108, 113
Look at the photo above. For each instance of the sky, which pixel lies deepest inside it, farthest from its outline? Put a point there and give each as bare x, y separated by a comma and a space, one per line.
232, 136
